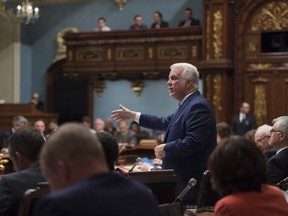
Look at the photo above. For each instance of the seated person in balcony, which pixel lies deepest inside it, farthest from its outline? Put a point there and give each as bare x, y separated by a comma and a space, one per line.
81, 183
189, 20
138, 25
125, 136
158, 21
40, 105
238, 173
24, 148
17, 123
140, 134
102, 25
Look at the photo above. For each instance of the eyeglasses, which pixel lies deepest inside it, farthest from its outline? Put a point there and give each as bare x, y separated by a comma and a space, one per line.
275, 131
260, 140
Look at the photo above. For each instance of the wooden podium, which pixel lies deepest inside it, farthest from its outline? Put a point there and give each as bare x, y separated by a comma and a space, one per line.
29, 111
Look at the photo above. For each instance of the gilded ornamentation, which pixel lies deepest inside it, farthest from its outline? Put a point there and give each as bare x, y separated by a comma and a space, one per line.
150, 75
2, 162
70, 54
217, 98
217, 34
109, 76
194, 51
260, 80
89, 54
260, 103
260, 66
150, 52
176, 52
130, 53
109, 54
207, 34
285, 65
99, 85
272, 16
208, 89
137, 86
252, 46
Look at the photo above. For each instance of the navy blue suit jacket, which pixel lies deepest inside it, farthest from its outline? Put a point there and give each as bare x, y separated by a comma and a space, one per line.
108, 194
278, 167
13, 186
190, 139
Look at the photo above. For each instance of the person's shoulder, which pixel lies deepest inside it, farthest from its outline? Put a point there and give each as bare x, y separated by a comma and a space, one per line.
181, 23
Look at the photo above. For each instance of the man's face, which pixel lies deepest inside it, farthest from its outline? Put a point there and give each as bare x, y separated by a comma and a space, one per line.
245, 108
262, 140
99, 125
18, 126
101, 23
188, 15
156, 17
276, 137
177, 84
40, 126
138, 21
123, 128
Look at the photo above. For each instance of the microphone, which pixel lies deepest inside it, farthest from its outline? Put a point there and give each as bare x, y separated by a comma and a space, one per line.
283, 184
192, 182
138, 160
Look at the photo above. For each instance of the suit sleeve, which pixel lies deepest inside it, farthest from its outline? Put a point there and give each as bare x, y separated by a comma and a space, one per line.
6, 197
274, 171
47, 207
154, 122
198, 127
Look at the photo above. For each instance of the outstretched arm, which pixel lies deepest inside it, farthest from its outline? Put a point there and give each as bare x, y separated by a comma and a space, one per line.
123, 114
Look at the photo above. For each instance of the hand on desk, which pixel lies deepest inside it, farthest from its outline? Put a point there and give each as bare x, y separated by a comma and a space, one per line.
159, 151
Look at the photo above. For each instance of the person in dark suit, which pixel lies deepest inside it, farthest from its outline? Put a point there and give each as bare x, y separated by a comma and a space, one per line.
138, 25
158, 21
190, 131
244, 121
74, 162
189, 20
278, 164
24, 148
40, 105
17, 123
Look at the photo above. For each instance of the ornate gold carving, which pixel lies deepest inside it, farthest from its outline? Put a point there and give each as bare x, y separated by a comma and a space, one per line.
260, 66
134, 53
150, 75
2, 162
260, 103
285, 65
176, 52
120, 4
217, 98
207, 34
137, 40
61, 46
194, 51
252, 46
137, 86
99, 85
109, 54
208, 89
90, 54
272, 16
70, 54
260, 80
217, 34
150, 52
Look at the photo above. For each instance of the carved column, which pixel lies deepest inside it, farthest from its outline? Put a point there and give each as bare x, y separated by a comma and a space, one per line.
217, 65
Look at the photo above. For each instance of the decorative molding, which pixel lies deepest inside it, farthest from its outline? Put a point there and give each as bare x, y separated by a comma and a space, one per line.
61, 46
109, 54
194, 51
150, 52
207, 44
217, 34
137, 86
176, 51
271, 17
260, 104
49, 2
208, 89
135, 40
109, 76
99, 85
129, 53
217, 98
260, 80
2, 162
89, 54
260, 66
252, 46
151, 75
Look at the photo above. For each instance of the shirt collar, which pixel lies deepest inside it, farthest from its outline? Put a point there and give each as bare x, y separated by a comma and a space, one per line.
181, 102
281, 149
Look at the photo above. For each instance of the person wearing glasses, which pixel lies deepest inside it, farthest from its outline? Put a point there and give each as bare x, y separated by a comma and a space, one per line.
278, 164
262, 136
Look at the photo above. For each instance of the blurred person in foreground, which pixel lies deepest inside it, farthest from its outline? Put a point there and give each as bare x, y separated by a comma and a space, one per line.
24, 148
238, 173
74, 163
190, 130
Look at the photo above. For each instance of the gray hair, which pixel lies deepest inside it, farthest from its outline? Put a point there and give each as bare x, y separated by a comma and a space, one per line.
264, 129
281, 123
21, 120
190, 72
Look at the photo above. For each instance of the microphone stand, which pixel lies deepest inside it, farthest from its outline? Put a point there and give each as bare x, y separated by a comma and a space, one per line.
138, 160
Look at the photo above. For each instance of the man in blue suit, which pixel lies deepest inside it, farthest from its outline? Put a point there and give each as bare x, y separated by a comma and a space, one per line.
190, 130
74, 163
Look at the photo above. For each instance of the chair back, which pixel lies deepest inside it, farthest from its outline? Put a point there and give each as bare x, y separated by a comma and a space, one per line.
162, 183
31, 196
207, 196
